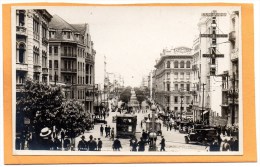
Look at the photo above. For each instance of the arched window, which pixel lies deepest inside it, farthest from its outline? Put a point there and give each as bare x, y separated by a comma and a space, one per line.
188, 64
168, 64
21, 51
182, 64
176, 64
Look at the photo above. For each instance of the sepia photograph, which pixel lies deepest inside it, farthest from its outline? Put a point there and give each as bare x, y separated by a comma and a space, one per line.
127, 80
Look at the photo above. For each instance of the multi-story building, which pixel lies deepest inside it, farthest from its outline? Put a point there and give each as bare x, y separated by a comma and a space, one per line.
173, 80
31, 53
206, 88
72, 60
230, 86
32, 45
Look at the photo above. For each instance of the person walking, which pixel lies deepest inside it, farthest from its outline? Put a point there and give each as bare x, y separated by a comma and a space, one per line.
62, 135
45, 142
99, 144
112, 134
106, 130
91, 144
214, 146
134, 145
56, 144
225, 146
141, 145
101, 130
82, 145
162, 144
117, 145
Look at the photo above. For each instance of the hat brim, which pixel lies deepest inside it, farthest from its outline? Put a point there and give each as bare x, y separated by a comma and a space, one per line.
43, 135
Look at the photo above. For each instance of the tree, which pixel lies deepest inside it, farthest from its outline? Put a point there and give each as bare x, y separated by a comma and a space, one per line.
125, 95
73, 118
140, 95
39, 103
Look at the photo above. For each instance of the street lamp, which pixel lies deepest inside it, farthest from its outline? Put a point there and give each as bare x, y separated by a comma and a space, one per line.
181, 92
153, 134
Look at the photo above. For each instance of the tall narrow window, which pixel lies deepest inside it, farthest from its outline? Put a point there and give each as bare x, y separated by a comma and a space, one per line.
21, 19
182, 76
175, 75
182, 64
50, 64
188, 64
168, 86
56, 64
176, 87
50, 49
176, 64
188, 87
168, 64
21, 51
55, 50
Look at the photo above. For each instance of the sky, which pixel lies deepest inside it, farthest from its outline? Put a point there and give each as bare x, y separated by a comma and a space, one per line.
132, 38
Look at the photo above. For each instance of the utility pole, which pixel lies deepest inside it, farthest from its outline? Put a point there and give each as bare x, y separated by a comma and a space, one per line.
202, 108
233, 99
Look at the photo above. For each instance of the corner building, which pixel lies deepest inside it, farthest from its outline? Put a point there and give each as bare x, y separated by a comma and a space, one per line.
72, 60
173, 80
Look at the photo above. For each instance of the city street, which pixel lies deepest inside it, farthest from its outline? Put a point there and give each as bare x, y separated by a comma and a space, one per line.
174, 140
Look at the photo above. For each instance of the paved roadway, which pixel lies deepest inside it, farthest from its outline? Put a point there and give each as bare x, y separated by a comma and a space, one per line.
174, 140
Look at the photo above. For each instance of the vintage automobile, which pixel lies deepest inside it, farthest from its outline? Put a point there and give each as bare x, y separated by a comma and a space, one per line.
98, 120
202, 136
184, 126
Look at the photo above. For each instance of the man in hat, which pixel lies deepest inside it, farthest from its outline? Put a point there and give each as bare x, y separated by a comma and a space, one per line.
101, 130
141, 145
45, 142
162, 144
99, 144
117, 144
92, 145
83, 145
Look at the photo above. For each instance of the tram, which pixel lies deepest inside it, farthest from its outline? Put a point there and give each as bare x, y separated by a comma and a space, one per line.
126, 125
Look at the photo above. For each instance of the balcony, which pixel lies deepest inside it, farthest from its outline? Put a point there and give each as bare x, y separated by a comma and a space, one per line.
89, 58
37, 68
45, 71
232, 36
69, 56
21, 67
195, 67
65, 70
234, 54
21, 30
45, 41
36, 36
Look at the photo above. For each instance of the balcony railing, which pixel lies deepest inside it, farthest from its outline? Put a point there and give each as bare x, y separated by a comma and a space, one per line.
36, 35
68, 55
45, 41
232, 36
68, 70
37, 68
234, 54
22, 67
45, 71
21, 30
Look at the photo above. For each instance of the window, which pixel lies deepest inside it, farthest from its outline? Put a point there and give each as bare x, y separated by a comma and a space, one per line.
176, 87
176, 108
56, 50
50, 49
36, 56
182, 86
176, 64
65, 51
182, 76
168, 64
187, 75
175, 75
21, 53
20, 79
44, 32
44, 59
168, 86
68, 35
50, 64
168, 75
175, 99
182, 64
35, 29
56, 64
188, 87
188, 64
21, 19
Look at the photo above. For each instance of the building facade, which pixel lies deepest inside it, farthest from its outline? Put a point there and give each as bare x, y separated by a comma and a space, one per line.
207, 72
32, 45
173, 80
230, 86
72, 60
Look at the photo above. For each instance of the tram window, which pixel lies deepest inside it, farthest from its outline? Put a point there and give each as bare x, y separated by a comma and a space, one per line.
129, 128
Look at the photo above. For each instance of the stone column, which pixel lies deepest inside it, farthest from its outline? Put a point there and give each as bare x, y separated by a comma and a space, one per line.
30, 43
